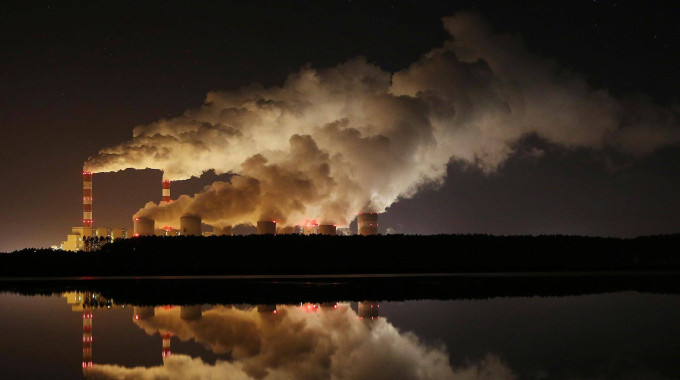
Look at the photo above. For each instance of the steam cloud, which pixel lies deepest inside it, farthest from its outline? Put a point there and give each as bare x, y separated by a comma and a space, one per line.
333, 142
294, 344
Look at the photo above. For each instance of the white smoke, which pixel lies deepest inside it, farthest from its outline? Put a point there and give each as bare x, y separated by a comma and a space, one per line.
333, 142
295, 344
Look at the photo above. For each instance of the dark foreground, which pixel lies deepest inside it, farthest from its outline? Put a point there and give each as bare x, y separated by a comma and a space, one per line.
294, 254
562, 326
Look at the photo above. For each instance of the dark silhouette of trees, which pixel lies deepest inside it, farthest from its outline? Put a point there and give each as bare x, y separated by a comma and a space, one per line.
316, 254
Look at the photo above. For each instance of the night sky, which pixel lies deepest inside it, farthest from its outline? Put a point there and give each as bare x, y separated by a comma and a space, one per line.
79, 77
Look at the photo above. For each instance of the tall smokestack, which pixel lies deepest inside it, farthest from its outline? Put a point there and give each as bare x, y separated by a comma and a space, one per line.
87, 199
166, 191
367, 223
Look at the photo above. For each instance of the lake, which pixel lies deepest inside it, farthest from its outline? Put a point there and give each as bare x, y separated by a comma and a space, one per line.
75, 334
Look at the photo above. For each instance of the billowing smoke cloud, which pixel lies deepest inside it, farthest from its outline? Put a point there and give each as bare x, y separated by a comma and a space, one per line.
333, 142
294, 344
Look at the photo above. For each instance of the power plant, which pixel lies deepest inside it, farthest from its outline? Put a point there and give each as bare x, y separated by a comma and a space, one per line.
89, 237
190, 226
87, 199
326, 229
165, 194
367, 223
288, 230
144, 227
222, 231
266, 227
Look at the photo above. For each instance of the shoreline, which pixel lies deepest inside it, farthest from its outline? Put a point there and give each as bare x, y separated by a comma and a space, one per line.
351, 276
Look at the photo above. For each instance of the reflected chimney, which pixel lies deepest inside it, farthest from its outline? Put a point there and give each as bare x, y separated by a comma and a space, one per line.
87, 338
166, 345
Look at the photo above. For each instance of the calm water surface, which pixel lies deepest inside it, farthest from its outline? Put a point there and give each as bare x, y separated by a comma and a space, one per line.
626, 335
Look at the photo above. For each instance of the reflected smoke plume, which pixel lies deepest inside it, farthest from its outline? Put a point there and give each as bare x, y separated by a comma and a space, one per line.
296, 344
332, 142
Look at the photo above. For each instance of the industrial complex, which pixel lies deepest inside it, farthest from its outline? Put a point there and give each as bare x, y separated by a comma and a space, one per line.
88, 237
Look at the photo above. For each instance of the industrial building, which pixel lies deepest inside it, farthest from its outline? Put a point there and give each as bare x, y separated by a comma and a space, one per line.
89, 237
326, 229
367, 223
266, 227
78, 238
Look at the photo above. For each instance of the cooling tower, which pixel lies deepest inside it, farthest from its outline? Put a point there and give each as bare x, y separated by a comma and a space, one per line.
190, 226
166, 191
144, 227
144, 312
190, 313
222, 231
266, 309
310, 229
367, 223
326, 229
266, 227
369, 310
87, 199
286, 231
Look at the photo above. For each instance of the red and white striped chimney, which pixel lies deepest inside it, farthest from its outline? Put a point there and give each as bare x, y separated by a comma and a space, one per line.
87, 199
166, 352
166, 190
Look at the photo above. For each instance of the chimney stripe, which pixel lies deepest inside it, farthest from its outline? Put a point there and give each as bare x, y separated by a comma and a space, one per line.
87, 199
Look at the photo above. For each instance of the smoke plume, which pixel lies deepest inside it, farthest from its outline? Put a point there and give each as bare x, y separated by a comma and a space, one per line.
295, 344
332, 142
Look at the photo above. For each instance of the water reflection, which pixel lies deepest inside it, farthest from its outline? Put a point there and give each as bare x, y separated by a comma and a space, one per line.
306, 341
